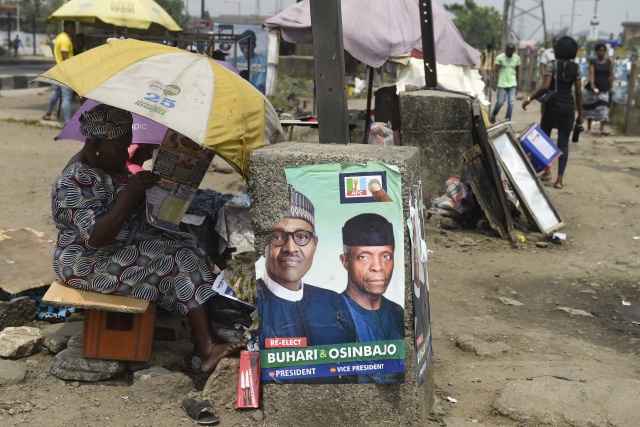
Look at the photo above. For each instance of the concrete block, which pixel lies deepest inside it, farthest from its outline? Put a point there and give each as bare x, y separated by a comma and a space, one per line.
429, 110
441, 155
440, 125
404, 404
6, 82
21, 81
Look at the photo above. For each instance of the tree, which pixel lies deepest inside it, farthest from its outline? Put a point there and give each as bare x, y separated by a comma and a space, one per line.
174, 9
479, 26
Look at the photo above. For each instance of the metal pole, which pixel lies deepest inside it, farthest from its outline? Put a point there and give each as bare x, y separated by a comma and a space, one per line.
573, 11
9, 31
504, 37
34, 33
328, 67
367, 119
428, 44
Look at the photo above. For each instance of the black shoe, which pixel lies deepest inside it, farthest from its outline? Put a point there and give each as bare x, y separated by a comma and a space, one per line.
492, 119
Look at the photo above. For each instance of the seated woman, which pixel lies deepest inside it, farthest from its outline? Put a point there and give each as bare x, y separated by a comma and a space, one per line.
105, 244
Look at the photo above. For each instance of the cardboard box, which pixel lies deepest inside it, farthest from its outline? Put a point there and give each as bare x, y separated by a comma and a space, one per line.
115, 327
540, 149
249, 380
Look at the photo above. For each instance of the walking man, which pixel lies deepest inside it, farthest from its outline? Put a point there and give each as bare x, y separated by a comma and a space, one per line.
507, 67
16, 45
62, 50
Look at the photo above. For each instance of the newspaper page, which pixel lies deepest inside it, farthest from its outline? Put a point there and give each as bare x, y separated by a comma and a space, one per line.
181, 164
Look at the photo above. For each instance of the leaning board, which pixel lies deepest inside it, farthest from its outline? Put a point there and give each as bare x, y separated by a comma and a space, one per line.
66, 296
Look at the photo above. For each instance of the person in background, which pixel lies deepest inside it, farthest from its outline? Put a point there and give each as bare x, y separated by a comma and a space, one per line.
564, 75
16, 44
597, 96
547, 56
219, 55
62, 50
507, 67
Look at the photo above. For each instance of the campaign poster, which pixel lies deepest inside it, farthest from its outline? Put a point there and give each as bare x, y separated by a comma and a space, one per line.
420, 279
331, 282
619, 89
255, 44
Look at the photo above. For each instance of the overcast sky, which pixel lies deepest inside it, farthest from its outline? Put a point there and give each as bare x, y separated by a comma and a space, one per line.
558, 12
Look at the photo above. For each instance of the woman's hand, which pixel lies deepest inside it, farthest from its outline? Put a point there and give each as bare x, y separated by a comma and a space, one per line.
579, 119
141, 182
525, 103
109, 224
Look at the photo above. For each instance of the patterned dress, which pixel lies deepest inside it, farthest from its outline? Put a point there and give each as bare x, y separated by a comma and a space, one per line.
165, 267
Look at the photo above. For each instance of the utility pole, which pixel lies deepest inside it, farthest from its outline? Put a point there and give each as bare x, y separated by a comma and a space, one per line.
533, 12
506, 27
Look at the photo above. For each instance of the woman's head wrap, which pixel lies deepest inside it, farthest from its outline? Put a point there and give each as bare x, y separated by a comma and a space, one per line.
105, 122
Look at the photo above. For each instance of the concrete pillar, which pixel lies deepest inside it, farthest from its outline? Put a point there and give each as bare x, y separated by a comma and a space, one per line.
324, 405
439, 124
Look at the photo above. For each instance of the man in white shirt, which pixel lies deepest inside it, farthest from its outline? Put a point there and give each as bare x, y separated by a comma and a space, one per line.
547, 56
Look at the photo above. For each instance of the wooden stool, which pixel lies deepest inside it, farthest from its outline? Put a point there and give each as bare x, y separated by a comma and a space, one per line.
115, 327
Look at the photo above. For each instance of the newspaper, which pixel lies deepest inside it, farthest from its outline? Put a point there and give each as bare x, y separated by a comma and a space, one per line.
181, 165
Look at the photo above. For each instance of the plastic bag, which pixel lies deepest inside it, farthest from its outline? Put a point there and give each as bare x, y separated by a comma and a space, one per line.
380, 134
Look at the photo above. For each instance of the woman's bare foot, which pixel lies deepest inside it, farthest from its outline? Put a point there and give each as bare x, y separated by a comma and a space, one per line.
214, 353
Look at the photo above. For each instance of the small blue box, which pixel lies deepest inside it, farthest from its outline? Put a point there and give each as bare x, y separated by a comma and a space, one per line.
540, 149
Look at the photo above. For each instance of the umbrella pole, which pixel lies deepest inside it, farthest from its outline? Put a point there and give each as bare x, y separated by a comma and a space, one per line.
369, 96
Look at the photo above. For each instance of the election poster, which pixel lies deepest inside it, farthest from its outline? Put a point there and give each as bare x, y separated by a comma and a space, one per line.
420, 279
331, 283
252, 45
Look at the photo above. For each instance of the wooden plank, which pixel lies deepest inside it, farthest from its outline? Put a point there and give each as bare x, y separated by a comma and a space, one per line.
63, 295
533, 219
475, 172
481, 139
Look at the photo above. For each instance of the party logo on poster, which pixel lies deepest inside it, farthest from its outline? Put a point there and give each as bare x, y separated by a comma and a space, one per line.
364, 187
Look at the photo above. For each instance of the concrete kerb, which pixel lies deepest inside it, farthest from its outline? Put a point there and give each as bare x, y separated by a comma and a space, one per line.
350, 404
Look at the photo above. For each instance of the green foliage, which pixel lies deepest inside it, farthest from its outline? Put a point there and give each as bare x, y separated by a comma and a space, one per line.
42, 9
174, 9
632, 43
478, 25
289, 92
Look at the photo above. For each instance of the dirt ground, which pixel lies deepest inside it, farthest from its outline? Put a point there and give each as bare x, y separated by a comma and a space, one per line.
595, 270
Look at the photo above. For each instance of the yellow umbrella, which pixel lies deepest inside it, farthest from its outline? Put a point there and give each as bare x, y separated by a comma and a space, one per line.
139, 14
187, 92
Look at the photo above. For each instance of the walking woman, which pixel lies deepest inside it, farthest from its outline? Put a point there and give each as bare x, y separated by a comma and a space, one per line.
596, 97
561, 75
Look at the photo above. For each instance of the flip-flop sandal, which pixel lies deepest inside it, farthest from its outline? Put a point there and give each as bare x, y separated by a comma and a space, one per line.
47, 117
200, 412
545, 178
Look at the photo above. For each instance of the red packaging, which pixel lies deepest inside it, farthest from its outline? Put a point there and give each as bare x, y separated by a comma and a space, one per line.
249, 380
